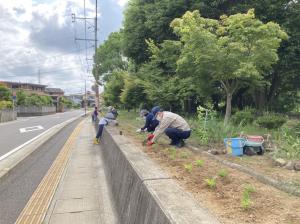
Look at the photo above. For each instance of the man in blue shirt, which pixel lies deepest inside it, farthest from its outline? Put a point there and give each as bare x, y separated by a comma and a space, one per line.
151, 123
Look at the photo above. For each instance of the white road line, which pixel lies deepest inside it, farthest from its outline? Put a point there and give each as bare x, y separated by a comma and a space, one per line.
36, 137
30, 129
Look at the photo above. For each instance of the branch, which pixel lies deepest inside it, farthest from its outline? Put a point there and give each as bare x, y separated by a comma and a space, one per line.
224, 86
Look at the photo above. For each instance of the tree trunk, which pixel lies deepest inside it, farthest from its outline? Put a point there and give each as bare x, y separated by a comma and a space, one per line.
228, 107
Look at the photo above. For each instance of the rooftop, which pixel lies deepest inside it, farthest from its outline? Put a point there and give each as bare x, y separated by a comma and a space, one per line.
23, 83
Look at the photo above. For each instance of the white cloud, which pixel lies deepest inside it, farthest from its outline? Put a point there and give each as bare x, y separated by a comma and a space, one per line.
39, 35
122, 3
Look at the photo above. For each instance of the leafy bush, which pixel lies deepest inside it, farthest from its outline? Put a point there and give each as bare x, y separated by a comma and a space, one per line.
172, 153
211, 183
66, 102
271, 121
5, 94
296, 129
210, 129
289, 146
188, 167
245, 201
246, 116
184, 155
199, 162
33, 100
5, 104
223, 173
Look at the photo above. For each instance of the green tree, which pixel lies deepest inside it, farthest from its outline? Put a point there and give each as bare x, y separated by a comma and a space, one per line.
133, 94
151, 20
234, 50
113, 88
110, 55
21, 98
5, 94
282, 82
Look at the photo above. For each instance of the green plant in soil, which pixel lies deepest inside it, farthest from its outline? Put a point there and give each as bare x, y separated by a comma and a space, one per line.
199, 163
246, 201
223, 173
172, 153
249, 188
188, 167
211, 183
184, 155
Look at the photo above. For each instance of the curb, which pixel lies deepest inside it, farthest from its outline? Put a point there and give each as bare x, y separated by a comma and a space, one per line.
17, 155
280, 185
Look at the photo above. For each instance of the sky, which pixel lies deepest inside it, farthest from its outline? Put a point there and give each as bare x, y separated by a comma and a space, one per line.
38, 40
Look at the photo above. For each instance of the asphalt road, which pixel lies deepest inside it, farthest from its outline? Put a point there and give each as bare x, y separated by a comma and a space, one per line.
17, 188
16, 133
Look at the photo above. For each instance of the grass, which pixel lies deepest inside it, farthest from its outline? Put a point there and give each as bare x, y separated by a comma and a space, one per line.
184, 155
211, 183
223, 173
172, 153
215, 132
199, 163
188, 167
246, 201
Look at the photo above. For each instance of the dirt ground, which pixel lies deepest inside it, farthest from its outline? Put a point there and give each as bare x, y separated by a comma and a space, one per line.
268, 205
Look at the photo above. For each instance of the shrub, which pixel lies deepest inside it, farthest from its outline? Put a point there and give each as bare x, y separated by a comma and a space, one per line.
271, 121
223, 173
5, 104
199, 162
188, 167
5, 94
172, 153
246, 116
211, 183
184, 155
245, 201
289, 146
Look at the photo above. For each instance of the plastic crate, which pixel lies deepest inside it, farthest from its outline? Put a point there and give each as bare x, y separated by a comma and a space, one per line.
234, 146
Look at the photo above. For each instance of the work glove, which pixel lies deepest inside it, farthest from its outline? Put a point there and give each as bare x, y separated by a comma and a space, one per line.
149, 143
150, 137
139, 130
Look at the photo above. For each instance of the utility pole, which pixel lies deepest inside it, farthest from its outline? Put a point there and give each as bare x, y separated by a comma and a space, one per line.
85, 102
39, 76
95, 60
95, 40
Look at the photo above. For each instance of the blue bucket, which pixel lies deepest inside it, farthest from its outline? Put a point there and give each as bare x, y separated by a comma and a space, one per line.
234, 146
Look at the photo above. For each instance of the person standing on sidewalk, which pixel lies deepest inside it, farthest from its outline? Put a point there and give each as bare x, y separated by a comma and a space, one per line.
174, 126
95, 114
109, 118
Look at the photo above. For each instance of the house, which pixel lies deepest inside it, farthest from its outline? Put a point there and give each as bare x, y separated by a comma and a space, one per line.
29, 88
56, 94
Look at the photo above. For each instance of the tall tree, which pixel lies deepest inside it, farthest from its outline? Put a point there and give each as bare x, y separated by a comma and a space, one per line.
234, 50
110, 55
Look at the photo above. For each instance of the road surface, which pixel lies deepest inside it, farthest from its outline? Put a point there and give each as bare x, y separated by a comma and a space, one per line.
18, 186
16, 133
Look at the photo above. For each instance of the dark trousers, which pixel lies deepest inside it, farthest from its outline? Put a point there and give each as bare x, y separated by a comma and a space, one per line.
176, 135
100, 130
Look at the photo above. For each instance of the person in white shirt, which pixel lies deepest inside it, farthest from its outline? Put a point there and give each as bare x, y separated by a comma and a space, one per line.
174, 126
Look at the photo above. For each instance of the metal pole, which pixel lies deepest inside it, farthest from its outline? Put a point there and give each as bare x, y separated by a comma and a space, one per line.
95, 59
85, 104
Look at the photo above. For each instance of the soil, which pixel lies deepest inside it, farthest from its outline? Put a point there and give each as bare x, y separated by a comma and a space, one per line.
268, 205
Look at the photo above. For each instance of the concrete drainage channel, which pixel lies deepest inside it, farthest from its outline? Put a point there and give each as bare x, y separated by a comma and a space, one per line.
142, 192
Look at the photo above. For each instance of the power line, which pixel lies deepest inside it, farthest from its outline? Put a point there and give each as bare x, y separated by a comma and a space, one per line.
45, 72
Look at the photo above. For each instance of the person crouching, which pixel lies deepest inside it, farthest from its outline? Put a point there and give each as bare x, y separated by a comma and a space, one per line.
150, 122
174, 126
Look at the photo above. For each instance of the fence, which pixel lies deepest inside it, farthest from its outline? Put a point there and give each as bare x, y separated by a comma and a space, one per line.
7, 115
35, 111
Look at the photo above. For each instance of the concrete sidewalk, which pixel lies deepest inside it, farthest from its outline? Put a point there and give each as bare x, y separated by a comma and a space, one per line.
83, 195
